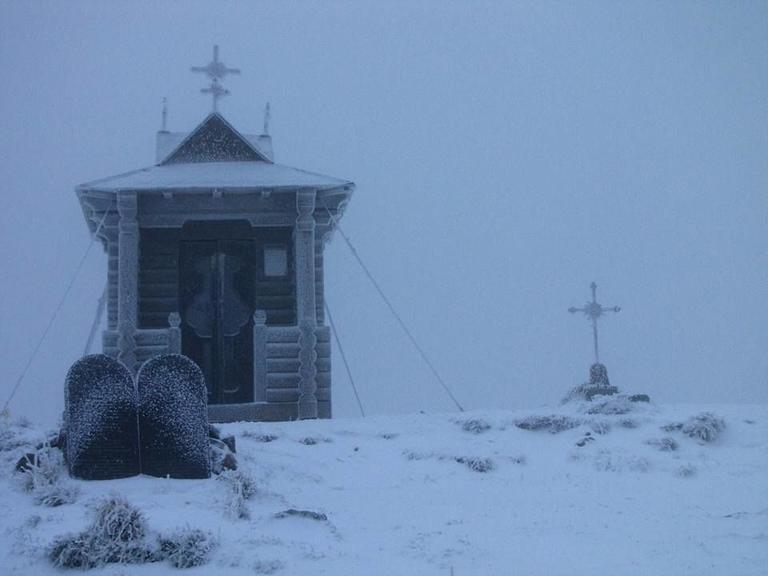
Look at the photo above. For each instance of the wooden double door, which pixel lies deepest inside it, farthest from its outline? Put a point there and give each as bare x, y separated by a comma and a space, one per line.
217, 293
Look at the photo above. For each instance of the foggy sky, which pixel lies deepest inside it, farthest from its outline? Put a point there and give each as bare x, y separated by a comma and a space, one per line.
505, 155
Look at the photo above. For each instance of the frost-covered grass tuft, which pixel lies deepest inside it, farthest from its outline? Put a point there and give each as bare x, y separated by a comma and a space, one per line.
577, 393
259, 437
57, 495
705, 427
187, 548
475, 426
268, 566
411, 455
119, 534
41, 469
686, 471
600, 427
674, 427
309, 514
118, 521
44, 476
553, 424
475, 464
241, 487
607, 461
312, 440
612, 406
73, 551
665, 444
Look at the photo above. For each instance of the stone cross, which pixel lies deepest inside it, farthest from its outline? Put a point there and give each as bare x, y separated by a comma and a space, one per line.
216, 71
594, 311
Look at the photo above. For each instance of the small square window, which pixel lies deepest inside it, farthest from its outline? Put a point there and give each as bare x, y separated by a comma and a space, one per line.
275, 261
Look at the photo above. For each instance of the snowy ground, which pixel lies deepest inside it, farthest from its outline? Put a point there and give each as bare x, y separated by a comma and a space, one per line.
401, 497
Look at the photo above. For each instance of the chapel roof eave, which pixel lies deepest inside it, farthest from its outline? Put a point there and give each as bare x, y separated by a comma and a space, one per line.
212, 158
219, 175
94, 197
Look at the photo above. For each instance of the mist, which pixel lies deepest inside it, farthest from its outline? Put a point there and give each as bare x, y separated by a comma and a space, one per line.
505, 155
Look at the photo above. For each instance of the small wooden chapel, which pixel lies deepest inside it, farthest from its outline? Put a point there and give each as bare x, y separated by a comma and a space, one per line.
216, 252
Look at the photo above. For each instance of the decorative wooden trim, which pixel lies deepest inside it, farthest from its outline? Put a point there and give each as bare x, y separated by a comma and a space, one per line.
128, 266
263, 219
304, 238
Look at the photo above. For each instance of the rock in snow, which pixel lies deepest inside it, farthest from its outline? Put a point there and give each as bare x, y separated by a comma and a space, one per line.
102, 437
173, 418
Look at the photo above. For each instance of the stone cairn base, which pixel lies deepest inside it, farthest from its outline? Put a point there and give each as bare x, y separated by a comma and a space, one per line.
599, 385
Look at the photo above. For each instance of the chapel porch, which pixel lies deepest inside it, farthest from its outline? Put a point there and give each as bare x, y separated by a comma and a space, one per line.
276, 368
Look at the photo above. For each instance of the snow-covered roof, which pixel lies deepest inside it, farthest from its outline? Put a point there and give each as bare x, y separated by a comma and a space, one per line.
214, 155
168, 141
207, 175
214, 140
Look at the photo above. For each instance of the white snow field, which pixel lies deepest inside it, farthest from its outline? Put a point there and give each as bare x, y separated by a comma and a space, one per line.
424, 494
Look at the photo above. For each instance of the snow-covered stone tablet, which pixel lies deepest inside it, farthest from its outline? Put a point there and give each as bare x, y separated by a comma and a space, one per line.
173, 418
100, 411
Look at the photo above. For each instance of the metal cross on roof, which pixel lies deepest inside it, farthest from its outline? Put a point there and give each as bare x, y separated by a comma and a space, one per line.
216, 71
593, 311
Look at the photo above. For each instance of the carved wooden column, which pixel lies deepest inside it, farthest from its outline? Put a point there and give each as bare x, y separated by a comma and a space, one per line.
113, 249
304, 249
259, 356
127, 278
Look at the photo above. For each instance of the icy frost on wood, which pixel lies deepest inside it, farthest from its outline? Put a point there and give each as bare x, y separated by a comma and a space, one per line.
102, 439
128, 262
173, 418
215, 140
305, 304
